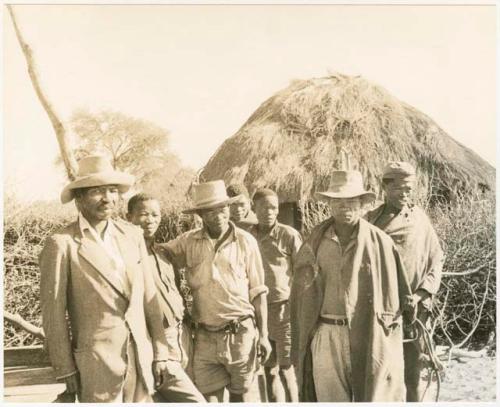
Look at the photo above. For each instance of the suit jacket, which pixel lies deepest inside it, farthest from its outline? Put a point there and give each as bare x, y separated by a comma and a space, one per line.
77, 278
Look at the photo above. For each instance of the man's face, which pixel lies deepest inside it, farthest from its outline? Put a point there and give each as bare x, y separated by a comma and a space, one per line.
267, 209
216, 219
98, 203
239, 210
346, 210
399, 192
147, 215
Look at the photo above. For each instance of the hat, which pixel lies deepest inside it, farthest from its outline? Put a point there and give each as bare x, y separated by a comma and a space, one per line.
210, 195
94, 171
398, 169
347, 184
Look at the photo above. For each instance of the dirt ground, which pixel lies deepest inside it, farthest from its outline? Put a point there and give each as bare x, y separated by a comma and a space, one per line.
465, 380
470, 380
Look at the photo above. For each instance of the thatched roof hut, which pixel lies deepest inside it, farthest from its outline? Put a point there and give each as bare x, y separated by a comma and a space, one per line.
292, 142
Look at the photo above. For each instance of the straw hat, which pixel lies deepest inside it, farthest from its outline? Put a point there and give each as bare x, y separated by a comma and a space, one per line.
94, 171
210, 195
347, 184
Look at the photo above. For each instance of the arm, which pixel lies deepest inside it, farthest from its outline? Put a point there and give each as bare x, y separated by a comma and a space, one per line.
406, 299
54, 271
153, 314
175, 250
258, 295
435, 260
295, 245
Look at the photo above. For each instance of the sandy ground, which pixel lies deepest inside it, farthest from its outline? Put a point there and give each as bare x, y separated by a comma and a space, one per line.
470, 380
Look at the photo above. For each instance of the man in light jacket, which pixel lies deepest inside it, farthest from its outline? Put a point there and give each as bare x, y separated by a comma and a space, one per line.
95, 271
348, 292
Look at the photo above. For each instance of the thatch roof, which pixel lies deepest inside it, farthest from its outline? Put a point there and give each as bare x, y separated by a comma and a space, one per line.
291, 143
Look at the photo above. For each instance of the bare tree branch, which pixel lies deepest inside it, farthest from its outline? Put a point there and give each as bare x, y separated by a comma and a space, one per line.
66, 153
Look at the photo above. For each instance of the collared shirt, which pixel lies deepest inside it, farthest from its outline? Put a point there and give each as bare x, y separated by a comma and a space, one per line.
224, 278
171, 301
108, 243
278, 247
336, 264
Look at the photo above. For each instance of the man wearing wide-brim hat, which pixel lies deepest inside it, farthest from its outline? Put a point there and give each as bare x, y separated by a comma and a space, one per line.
94, 270
225, 274
348, 292
418, 244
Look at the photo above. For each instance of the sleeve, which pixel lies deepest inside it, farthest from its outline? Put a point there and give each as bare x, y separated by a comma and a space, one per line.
302, 267
435, 260
176, 251
295, 245
255, 268
54, 271
154, 316
404, 288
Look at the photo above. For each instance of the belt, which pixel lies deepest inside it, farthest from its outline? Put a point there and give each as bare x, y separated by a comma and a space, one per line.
332, 321
231, 327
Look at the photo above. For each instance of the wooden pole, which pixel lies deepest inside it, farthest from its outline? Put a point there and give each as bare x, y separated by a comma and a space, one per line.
66, 152
19, 322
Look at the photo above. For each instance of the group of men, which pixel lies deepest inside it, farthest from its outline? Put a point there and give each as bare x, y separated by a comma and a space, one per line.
323, 316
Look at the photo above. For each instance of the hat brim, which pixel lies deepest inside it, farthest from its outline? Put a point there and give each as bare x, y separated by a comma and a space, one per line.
122, 180
212, 205
367, 196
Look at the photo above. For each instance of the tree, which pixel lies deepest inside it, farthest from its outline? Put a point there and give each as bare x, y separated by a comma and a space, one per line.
134, 145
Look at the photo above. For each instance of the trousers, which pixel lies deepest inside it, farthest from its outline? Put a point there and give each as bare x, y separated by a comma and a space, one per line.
331, 362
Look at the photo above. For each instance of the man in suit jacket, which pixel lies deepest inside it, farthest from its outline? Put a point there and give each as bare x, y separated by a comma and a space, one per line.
95, 270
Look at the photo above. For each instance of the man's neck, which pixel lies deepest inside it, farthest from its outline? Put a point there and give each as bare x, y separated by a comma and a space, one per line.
263, 229
150, 241
344, 231
217, 235
98, 225
391, 209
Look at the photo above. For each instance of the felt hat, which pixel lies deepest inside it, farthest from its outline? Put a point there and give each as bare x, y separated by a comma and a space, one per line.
210, 195
347, 184
94, 171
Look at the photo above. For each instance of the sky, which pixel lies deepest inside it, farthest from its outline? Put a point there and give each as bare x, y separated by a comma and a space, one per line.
201, 71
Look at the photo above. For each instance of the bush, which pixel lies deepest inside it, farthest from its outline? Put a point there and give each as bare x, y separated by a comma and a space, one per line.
465, 307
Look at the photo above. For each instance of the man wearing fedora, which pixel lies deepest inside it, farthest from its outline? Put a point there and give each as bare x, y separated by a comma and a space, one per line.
225, 274
112, 347
418, 244
348, 292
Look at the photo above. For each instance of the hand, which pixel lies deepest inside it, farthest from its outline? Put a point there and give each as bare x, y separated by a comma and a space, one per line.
160, 372
72, 383
264, 348
410, 308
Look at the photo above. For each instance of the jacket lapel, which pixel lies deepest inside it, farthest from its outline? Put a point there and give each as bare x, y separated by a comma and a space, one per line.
99, 259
